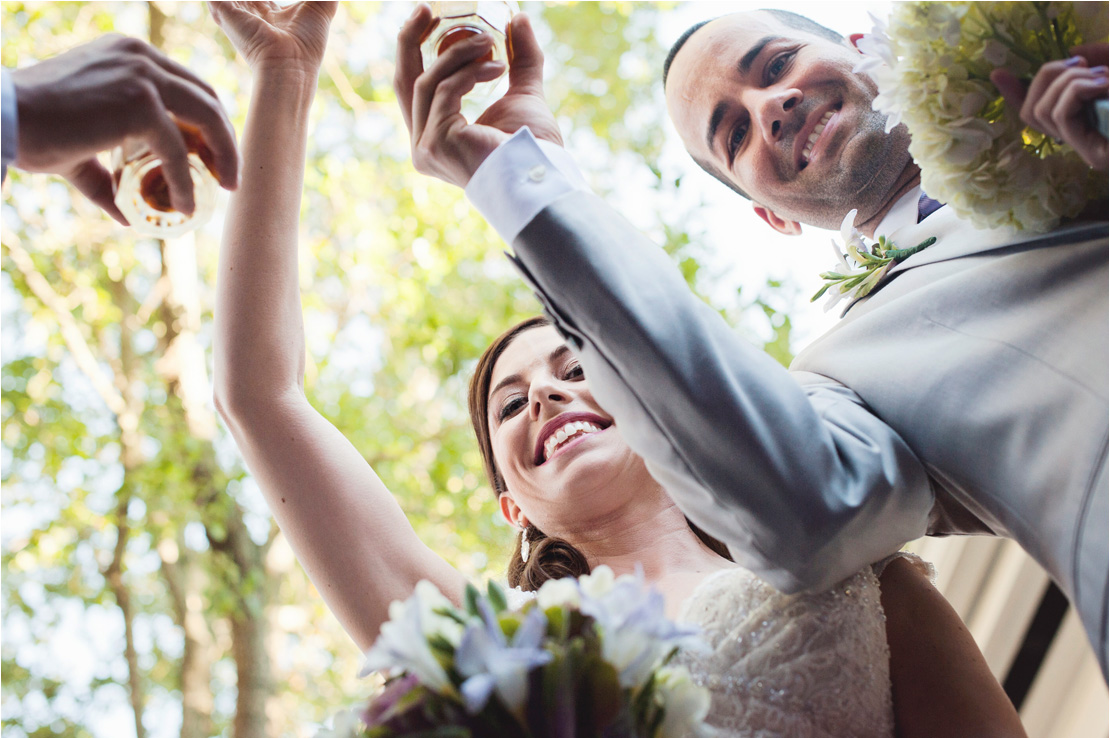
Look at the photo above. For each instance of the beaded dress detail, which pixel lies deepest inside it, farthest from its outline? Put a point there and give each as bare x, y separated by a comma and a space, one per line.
804, 666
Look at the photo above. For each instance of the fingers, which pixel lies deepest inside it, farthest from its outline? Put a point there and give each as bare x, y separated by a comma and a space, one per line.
1070, 119
410, 62
191, 99
450, 62
167, 142
526, 58
95, 182
190, 105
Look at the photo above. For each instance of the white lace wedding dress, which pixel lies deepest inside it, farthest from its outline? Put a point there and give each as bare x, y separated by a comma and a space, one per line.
797, 666
792, 666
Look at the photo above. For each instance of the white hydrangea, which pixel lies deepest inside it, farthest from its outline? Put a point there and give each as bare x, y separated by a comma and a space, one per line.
932, 62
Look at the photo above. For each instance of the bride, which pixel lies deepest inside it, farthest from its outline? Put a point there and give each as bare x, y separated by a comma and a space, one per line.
881, 654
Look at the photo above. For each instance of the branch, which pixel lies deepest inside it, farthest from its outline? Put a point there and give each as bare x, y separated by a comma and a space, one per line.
71, 332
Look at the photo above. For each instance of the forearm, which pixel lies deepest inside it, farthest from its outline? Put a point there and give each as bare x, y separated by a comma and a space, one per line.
259, 348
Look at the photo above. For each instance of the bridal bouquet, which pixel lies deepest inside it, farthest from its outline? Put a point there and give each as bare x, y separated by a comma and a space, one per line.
585, 657
932, 63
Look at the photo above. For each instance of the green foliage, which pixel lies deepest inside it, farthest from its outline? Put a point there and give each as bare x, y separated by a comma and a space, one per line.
403, 286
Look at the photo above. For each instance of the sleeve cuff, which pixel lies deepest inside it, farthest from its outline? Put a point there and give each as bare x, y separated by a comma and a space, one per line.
10, 119
521, 178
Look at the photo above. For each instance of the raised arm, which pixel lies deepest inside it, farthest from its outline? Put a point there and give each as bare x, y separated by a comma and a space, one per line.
345, 527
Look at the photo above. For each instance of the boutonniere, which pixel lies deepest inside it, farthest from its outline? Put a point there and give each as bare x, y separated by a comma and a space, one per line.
858, 271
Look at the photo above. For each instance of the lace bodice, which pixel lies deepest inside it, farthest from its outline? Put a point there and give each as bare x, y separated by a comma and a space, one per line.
804, 666
797, 666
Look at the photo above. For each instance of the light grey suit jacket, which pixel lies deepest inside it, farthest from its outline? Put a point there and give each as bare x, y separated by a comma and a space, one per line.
968, 394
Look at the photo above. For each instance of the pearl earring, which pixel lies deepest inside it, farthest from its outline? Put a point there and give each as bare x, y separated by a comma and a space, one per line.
525, 545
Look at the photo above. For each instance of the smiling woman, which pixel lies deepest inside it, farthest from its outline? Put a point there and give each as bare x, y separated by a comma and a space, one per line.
547, 557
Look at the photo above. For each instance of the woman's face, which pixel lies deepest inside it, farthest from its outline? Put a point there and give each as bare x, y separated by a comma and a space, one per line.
563, 462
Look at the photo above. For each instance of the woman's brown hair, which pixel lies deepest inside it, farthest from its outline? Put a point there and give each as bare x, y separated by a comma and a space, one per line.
549, 557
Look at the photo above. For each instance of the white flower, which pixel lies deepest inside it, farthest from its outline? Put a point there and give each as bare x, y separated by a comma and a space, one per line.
597, 583
491, 664
685, 704
345, 724
558, 593
403, 640
635, 634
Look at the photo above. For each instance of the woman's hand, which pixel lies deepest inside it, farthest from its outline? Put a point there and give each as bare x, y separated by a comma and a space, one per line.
444, 145
270, 36
1056, 101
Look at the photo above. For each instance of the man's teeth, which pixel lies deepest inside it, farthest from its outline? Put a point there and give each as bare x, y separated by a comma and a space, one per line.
815, 135
564, 434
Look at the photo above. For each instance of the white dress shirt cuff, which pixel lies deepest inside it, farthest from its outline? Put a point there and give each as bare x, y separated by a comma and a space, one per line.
519, 179
9, 119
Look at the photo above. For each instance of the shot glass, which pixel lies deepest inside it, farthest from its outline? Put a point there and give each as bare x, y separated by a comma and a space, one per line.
143, 196
458, 21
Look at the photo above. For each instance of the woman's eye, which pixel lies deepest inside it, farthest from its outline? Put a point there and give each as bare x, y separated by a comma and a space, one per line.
510, 407
574, 371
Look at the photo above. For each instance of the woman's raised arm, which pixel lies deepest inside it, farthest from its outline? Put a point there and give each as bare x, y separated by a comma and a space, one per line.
344, 525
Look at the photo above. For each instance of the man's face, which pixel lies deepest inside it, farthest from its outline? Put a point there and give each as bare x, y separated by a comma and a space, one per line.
780, 114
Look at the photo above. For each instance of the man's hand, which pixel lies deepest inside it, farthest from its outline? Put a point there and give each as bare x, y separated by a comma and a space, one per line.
1055, 103
92, 98
444, 145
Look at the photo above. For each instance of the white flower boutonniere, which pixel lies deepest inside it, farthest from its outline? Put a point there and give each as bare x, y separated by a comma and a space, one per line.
858, 271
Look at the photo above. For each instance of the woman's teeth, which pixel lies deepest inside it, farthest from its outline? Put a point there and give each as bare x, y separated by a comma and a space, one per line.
564, 434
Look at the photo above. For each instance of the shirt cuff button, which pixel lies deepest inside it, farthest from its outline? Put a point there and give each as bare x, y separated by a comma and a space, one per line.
537, 173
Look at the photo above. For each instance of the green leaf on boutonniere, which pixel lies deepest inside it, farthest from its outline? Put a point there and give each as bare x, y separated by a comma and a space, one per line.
860, 270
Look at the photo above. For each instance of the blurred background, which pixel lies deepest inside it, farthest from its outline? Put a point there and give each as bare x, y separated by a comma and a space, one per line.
145, 589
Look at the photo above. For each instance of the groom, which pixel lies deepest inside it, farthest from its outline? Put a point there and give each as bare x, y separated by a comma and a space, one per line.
967, 394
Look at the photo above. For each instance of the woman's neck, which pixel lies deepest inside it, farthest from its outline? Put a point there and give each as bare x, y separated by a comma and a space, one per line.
660, 542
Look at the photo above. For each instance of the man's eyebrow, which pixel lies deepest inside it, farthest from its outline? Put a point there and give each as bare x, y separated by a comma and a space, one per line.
748, 59
744, 67
514, 378
714, 123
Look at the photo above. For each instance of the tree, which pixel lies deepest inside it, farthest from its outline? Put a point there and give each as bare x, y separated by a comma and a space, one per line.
132, 532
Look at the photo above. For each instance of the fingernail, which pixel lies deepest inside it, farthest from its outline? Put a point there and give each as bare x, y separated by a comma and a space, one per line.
1074, 61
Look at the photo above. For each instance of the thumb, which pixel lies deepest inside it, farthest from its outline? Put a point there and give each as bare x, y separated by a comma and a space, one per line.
1096, 54
1010, 86
94, 182
525, 58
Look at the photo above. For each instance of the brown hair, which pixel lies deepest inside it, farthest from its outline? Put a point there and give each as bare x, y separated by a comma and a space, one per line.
549, 557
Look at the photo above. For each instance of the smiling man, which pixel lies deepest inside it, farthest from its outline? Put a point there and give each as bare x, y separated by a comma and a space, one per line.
776, 113
965, 395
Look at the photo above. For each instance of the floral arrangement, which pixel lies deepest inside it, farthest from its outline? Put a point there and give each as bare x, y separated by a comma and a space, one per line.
932, 63
585, 657
867, 265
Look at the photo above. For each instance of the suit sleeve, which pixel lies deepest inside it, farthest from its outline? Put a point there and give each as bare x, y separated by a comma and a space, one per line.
794, 473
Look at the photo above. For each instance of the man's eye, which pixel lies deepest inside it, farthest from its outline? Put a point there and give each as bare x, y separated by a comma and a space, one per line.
736, 138
510, 407
574, 371
778, 65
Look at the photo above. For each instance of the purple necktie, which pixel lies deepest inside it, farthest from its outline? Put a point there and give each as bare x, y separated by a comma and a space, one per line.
926, 206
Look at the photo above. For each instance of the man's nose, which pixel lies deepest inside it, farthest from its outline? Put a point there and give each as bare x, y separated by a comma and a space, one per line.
773, 110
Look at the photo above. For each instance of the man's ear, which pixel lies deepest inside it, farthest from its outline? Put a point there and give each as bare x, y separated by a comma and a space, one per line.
509, 510
854, 38
783, 226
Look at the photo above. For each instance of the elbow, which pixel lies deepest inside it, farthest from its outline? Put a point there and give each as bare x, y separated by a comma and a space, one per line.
243, 404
